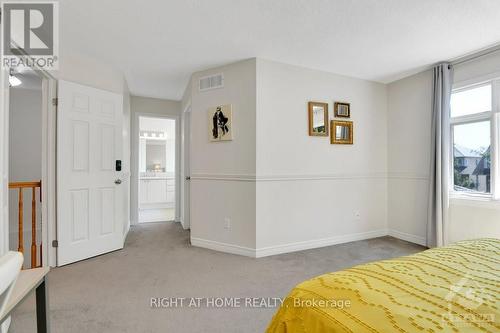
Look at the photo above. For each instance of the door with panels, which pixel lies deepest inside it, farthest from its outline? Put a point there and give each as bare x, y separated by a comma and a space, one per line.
90, 196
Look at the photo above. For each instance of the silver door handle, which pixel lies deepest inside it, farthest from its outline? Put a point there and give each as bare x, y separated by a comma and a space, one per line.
118, 181
188, 178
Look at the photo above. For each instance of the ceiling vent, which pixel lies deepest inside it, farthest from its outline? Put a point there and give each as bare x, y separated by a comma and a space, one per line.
212, 82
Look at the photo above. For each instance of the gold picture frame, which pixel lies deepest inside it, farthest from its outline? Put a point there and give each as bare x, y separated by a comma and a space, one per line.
342, 109
342, 132
318, 118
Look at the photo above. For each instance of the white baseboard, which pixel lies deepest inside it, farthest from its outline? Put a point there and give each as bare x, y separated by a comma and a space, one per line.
223, 247
183, 224
407, 237
312, 244
305, 245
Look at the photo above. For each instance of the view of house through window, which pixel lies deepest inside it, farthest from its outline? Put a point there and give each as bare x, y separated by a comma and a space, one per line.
471, 115
471, 152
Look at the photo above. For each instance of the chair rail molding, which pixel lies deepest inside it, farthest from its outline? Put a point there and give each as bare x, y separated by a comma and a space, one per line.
408, 176
286, 177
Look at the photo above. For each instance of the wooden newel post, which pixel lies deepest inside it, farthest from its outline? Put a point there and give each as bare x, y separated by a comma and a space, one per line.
33, 227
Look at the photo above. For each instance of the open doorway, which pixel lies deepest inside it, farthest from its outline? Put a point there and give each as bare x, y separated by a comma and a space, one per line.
157, 169
185, 168
28, 121
25, 166
30, 139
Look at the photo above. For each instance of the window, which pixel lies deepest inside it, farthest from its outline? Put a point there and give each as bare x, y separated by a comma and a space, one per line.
472, 118
471, 101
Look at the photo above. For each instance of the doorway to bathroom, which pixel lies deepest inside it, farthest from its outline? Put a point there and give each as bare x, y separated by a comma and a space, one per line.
157, 169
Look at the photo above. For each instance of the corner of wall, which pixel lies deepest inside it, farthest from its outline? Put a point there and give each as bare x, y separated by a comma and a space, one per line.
276, 188
187, 95
223, 173
408, 133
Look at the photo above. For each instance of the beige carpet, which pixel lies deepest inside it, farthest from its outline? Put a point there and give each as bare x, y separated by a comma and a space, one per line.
111, 293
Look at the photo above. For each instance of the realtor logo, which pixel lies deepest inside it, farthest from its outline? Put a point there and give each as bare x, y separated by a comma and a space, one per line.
30, 34
464, 298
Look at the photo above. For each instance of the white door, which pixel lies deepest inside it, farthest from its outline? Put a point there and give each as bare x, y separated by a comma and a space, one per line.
89, 194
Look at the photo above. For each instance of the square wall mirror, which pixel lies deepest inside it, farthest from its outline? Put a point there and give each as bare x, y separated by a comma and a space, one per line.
341, 132
318, 119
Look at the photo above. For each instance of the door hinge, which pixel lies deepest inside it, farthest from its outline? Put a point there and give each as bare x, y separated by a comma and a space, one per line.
55, 243
55, 101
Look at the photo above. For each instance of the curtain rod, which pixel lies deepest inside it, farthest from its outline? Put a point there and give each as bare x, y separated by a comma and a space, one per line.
476, 55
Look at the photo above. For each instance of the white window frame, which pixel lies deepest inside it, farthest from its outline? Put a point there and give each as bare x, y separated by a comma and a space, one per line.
491, 116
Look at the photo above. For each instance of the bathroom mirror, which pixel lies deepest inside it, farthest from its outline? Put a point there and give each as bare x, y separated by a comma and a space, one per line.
156, 156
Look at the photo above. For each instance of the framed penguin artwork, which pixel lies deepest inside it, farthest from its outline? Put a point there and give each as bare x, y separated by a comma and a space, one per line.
220, 123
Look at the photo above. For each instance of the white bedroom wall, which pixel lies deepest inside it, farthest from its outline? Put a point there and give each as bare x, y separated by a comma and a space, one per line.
186, 96
485, 66
311, 193
409, 121
408, 125
284, 190
185, 156
223, 173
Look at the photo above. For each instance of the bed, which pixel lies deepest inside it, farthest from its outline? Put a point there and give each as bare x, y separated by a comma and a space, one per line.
448, 289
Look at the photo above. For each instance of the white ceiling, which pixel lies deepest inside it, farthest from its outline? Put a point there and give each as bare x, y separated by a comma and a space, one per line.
158, 44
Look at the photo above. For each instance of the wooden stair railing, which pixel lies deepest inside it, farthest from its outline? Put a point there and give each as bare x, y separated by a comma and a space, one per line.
33, 186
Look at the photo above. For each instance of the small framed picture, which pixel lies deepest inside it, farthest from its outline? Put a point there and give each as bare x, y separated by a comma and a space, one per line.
341, 132
318, 119
220, 123
342, 110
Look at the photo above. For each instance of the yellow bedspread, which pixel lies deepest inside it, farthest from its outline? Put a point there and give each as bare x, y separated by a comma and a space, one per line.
449, 289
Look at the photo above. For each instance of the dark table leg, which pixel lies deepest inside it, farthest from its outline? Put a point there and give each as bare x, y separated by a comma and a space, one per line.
42, 308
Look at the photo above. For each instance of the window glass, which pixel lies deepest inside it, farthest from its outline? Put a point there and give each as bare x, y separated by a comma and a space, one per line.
471, 101
471, 157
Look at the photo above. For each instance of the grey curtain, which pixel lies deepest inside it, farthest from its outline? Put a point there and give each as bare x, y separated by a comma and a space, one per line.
440, 172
